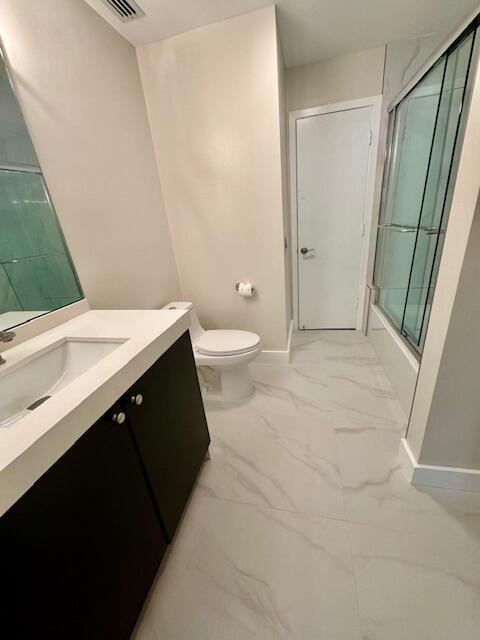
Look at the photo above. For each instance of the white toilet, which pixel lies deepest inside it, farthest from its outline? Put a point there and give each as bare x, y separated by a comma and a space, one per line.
227, 350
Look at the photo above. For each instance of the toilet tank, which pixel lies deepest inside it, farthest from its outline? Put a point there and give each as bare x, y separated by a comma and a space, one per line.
196, 328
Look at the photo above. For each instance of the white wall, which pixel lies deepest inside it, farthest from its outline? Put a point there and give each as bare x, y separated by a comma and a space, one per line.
346, 77
287, 227
213, 101
79, 86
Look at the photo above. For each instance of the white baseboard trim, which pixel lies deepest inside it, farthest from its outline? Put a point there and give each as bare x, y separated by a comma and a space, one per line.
273, 357
434, 476
277, 357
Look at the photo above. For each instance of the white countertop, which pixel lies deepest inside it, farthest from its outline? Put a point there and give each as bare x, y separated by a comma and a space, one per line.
35, 442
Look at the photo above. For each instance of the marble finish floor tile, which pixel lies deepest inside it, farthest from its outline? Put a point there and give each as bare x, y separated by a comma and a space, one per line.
299, 384
376, 491
276, 450
303, 527
417, 585
360, 392
240, 572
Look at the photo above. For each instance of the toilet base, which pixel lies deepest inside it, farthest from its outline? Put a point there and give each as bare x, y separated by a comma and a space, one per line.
236, 383
231, 384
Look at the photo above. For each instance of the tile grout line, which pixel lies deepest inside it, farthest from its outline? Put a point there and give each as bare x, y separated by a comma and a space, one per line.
355, 582
268, 506
346, 520
347, 524
337, 448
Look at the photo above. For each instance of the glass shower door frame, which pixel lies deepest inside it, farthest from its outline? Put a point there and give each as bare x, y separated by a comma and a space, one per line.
403, 330
395, 140
439, 226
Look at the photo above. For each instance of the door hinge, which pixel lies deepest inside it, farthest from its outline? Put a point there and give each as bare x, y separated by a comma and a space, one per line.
370, 138
363, 229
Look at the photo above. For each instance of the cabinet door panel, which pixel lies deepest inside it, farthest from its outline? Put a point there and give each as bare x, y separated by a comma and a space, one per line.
81, 548
170, 429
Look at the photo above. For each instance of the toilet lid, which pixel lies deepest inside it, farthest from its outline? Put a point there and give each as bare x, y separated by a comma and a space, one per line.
226, 342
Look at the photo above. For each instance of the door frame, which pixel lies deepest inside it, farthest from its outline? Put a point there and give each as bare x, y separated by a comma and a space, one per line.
376, 103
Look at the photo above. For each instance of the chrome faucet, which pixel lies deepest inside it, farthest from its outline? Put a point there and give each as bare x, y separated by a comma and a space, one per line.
6, 336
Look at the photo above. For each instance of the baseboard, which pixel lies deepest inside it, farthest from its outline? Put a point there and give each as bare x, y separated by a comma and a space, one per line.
434, 476
277, 357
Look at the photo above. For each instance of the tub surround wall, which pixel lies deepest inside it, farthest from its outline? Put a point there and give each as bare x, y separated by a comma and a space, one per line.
401, 365
213, 101
404, 58
83, 102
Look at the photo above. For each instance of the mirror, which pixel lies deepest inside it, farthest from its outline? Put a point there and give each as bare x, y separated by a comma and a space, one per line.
36, 272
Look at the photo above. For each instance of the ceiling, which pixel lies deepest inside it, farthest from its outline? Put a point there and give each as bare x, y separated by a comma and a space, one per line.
310, 30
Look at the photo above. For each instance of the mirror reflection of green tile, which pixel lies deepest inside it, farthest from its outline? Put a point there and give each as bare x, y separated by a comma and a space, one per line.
36, 272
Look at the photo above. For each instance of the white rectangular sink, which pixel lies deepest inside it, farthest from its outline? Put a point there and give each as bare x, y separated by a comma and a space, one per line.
26, 383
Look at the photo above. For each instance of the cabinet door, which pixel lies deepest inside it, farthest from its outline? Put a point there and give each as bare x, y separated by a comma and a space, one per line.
81, 548
170, 429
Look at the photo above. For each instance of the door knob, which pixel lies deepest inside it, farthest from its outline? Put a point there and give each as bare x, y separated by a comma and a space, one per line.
119, 418
304, 250
138, 399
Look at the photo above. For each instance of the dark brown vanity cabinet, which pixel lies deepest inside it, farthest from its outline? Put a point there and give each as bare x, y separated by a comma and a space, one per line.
82, 547
165, 410
80, 550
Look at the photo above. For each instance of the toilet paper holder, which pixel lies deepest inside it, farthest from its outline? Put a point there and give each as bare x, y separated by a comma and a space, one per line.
237, 287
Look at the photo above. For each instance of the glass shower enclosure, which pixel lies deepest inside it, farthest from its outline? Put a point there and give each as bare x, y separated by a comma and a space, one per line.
423, 138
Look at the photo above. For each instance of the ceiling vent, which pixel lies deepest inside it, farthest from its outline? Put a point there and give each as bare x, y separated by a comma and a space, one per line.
125, 10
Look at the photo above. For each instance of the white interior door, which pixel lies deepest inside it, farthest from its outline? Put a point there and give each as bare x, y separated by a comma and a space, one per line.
332, 170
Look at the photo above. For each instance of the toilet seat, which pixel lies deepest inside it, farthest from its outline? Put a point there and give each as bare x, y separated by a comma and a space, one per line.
227, 351
226, 342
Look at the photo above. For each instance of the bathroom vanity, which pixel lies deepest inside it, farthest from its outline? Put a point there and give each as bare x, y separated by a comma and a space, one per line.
102, 427
94, 480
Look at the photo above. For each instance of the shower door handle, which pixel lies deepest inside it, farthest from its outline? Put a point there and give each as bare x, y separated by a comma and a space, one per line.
398, 228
